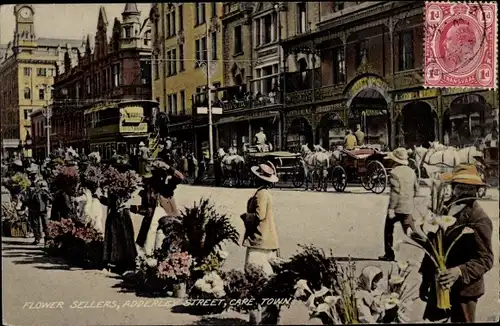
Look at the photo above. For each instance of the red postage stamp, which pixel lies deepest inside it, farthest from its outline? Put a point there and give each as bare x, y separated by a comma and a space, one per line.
460, 45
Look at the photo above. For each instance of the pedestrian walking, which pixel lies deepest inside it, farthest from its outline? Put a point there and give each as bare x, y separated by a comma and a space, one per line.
37, 200
471, 256
404, 187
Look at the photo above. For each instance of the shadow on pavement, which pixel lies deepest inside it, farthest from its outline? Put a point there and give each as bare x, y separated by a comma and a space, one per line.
355, 259
221, 321
129, 285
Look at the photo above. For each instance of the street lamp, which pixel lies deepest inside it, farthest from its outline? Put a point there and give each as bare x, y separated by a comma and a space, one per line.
47, 113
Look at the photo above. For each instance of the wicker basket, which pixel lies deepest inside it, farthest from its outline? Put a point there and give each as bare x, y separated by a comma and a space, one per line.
15, 229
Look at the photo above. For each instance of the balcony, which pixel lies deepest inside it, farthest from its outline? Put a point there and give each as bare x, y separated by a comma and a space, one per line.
408, 78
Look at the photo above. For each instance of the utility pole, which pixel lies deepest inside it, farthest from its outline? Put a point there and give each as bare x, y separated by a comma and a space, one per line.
209, 86
48, 115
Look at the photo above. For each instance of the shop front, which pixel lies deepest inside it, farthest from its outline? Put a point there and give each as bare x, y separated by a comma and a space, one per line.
368, 106
469, 118
298, 129
330, 125
181, 134
416, 116
270, 121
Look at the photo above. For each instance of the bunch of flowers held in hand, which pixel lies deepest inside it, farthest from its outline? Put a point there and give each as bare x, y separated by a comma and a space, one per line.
437, 224
176, 266
120, 185
92, 177
67, 177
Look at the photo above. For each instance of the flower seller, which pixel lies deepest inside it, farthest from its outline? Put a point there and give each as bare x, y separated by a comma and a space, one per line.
37, 200
160, 182
471, 256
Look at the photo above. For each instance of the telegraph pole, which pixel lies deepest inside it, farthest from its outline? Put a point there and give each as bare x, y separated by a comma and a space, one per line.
48, 116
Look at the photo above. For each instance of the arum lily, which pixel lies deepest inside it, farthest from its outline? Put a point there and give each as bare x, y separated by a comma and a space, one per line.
332, 300
402, 265
397, 279
467, 230
391, 302
323, 307
446, 221
397, 244
431, 226
321, 292
301, 289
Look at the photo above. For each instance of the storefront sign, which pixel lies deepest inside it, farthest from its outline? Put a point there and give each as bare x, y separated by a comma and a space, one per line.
265, 53
367, 82
331, 107
451, 91
263, 114
300, 112
140, 128
409, 96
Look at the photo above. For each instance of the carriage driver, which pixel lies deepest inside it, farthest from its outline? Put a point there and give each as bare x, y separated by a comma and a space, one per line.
260, 140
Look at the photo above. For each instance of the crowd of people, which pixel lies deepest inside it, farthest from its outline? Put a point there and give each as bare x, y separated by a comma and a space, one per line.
47, 199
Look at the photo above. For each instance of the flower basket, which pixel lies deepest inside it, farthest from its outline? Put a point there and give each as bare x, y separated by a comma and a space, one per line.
179, 290
15, 229
210, 286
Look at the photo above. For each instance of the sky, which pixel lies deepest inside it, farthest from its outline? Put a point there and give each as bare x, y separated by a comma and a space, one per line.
67, 21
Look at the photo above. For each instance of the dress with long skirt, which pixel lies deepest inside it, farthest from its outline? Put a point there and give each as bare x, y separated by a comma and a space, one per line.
119, 245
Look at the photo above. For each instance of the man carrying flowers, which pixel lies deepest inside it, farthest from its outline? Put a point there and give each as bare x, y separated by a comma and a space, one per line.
467, 243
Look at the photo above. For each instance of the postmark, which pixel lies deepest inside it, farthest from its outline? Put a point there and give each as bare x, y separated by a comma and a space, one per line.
460, 45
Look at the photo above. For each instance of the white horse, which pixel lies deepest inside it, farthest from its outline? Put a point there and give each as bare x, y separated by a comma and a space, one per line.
315, 163
231, 165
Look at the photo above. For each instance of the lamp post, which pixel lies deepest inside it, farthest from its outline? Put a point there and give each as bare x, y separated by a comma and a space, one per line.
47, 113
209, 86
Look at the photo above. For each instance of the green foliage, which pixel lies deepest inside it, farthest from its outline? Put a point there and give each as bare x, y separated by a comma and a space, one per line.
200, 231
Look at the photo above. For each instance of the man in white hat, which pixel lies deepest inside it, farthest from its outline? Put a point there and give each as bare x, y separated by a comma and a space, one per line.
404, 187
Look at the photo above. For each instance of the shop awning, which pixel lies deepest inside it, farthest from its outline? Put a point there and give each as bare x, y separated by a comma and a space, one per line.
229, 120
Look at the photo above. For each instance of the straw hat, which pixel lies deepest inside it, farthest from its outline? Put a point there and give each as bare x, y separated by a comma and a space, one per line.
33, 169
399, 155
266, 172
465, 174
18, 163
141, 143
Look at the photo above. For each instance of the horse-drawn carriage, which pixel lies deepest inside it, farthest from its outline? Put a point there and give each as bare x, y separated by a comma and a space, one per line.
288, 165
364, 165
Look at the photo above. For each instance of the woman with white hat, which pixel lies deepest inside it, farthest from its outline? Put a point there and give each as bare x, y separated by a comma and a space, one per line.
261, 238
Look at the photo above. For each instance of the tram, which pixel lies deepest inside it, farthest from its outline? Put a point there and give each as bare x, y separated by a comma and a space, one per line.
121, 126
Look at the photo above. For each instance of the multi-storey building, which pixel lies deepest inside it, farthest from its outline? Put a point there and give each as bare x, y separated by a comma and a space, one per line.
28, 66
361, 63
182, 35
252, 66
109, 70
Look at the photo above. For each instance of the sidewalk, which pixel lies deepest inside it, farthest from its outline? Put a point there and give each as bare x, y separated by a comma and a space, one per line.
71, 296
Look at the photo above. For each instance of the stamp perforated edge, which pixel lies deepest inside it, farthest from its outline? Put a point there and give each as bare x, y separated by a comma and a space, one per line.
495, 45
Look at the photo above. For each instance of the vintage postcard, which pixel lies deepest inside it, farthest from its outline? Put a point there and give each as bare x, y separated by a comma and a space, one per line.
232, 163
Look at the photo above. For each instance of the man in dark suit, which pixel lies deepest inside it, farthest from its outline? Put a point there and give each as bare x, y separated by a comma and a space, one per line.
469, 259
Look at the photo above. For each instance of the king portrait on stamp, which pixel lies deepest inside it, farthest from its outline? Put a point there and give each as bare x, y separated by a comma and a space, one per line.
460, 45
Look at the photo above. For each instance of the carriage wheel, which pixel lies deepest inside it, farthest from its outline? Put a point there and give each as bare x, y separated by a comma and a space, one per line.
413, 164
378, 177
339, 179
366, 181
298, 176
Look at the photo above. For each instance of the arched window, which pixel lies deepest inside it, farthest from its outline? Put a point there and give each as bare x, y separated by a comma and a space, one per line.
27, 93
